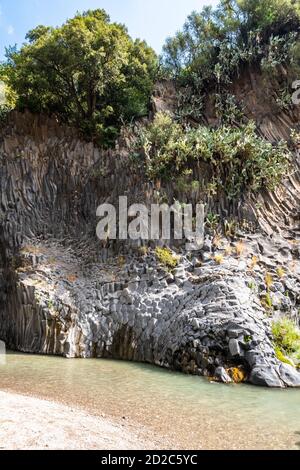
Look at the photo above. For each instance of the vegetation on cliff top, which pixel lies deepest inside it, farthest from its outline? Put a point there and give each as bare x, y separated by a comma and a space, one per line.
203, 59
216, 44
88, 72
91, 74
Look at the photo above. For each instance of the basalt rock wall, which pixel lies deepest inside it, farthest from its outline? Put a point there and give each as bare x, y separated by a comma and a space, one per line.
64, 292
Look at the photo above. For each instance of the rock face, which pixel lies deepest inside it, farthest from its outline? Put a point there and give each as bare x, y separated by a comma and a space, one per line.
63, 293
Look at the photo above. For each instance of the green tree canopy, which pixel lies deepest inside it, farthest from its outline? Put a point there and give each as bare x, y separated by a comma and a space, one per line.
215, 43
241, 26
88, 72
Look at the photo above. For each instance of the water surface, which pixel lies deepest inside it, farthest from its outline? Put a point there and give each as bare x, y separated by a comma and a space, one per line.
190, 411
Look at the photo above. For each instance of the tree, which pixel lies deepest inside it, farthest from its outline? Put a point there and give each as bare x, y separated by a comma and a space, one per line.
235, 26
88, 72
215, 43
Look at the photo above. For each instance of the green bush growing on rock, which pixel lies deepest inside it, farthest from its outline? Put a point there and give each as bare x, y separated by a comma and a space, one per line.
166, 257
216, 44
252, 285
212, 221
237, 157
268, 301
286, 340
282, 358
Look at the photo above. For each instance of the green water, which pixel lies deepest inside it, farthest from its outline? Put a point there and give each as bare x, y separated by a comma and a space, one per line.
189, 411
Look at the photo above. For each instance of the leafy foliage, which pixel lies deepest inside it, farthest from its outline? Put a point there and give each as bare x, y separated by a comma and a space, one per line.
166, 257
215, 43
238, 159
88, 72
281, 357
287, 339
6, 103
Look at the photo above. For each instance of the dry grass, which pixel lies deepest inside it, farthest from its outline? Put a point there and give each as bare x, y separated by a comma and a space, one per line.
254, 262
33, 249
143, 250
240, 248
219, 259
228, 250
280, 272
217, 240
269, 280
121, 261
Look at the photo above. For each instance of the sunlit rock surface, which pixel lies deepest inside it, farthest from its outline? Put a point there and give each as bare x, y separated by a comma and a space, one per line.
63, 292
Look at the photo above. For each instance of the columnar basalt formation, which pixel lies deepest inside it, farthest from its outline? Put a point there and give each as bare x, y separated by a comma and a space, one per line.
63, 292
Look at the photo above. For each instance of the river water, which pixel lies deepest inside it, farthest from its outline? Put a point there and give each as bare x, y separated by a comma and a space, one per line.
190, 412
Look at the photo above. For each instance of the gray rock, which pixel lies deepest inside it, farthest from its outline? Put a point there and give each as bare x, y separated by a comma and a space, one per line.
234, 348
222, 375
196, 323
136, 306
234, 332
207, 245
289, 375
265, 376
252, 358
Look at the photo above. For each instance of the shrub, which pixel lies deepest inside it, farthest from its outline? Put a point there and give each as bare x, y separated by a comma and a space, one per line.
217, 240
267, 302
281, 357
165, 146
219, 259
212, 221
215, 44
280, 272
252, 285
237, 157
166, 257
230, 228
287, 339
4, 113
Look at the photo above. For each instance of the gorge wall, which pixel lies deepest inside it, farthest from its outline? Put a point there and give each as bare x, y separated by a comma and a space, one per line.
64, 292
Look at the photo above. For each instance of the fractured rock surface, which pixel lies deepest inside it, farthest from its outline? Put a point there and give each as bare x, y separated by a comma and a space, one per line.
62, 293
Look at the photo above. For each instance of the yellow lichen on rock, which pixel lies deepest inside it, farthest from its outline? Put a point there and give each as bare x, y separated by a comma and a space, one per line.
237, 374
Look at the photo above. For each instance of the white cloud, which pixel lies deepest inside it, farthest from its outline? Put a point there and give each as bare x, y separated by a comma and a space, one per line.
10, 29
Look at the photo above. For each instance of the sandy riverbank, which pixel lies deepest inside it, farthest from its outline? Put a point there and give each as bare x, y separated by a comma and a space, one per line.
32, 423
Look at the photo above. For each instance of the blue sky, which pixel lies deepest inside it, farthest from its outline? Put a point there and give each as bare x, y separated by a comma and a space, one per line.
152, 20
